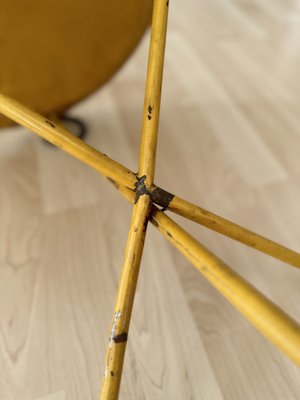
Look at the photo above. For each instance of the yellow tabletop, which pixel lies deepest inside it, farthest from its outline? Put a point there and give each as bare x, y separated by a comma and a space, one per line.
54, 53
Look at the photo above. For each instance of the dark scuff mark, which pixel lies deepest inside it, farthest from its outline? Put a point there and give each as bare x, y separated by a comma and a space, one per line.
167, 3
50, 123
162, 197
150, 110
112, 374
122, 338
169, 234
141, 188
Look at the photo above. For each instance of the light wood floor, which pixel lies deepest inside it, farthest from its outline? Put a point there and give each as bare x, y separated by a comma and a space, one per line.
229, 141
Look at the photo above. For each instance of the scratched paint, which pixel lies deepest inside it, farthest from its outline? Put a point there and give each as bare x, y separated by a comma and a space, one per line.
118, 315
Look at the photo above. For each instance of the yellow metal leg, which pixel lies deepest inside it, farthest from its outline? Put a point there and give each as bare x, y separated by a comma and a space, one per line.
121, 320
270, 320
122, 312
234, 231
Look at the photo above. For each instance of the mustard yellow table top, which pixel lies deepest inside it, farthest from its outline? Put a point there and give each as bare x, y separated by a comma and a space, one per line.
55, 53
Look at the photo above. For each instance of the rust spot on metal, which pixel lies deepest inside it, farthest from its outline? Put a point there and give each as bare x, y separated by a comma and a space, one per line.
122, 338
162, 197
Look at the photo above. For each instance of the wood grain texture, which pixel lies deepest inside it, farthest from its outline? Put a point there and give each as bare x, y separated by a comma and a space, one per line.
229, 141
54, 396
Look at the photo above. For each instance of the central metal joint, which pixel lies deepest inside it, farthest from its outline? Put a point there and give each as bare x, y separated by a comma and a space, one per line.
141, 189
157, 195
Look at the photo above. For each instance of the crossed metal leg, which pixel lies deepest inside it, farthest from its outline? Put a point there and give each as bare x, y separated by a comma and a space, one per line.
149, 204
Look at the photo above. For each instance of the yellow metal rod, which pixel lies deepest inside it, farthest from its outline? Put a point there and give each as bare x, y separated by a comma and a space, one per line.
278, 327
269, 319
63, 139
153, 91
123, 307
122, 314
234, 231
122, 176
